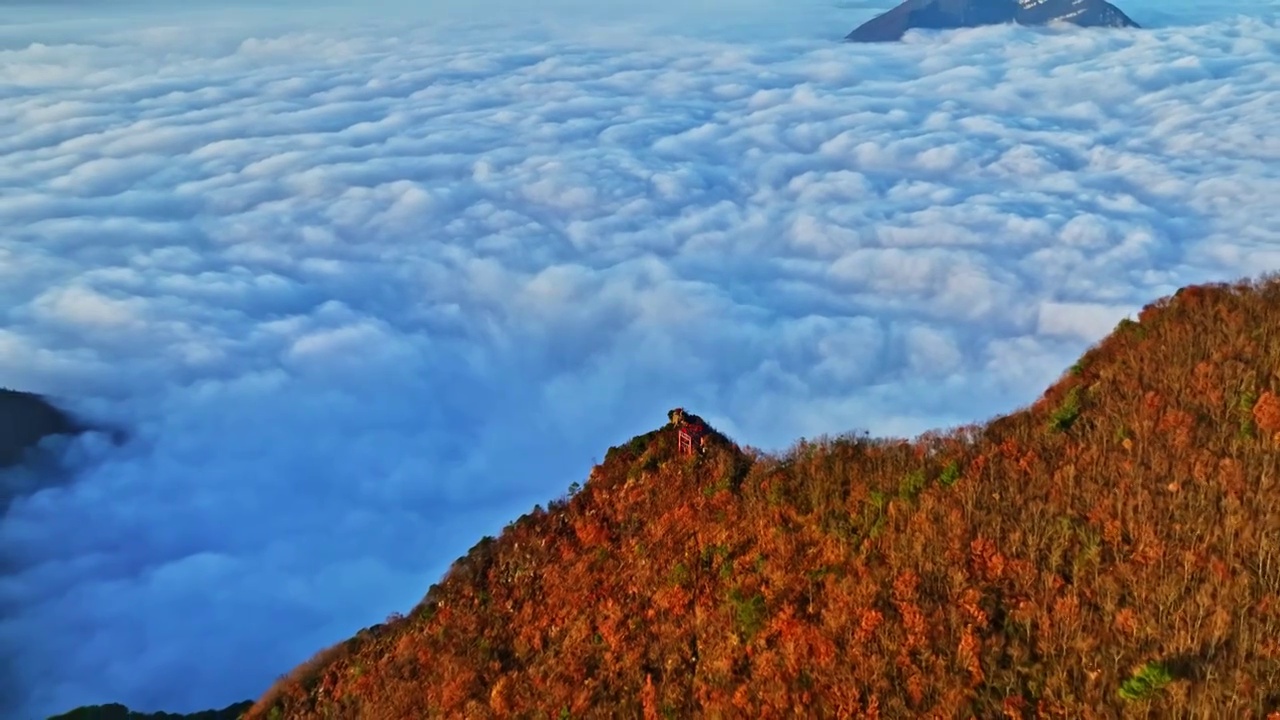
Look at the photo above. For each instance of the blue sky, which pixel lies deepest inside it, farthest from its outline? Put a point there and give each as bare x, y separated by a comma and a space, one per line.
366, 284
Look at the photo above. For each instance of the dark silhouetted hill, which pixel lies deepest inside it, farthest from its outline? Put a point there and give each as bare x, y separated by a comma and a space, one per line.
25, 420
120, 712
951, 14
1111, 551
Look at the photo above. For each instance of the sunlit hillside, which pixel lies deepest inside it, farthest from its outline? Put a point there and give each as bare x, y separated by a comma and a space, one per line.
1113, 550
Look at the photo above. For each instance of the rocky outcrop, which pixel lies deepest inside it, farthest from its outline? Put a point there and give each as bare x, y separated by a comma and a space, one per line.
952, 14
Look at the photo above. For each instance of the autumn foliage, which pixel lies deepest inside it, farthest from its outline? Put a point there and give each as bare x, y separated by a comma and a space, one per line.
1111, 551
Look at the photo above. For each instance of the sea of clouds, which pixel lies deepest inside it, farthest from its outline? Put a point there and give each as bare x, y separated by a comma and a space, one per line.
361, 289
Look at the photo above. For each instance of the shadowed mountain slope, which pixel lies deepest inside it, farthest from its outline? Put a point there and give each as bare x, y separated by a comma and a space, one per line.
120, 712
1111, 550
25, 420
952, 14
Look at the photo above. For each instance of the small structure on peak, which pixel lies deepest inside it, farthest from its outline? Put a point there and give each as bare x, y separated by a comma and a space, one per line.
691, 432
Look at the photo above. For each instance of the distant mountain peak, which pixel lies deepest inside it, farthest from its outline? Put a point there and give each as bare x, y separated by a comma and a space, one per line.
951, 14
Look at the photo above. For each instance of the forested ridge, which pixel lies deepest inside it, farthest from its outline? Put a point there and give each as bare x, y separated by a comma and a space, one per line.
1112, 550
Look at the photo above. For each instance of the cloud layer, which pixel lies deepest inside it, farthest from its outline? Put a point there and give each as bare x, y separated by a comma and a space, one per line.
363, 296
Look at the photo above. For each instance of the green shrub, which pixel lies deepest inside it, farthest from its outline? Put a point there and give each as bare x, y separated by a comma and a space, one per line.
1248, 431
877, 500
911, 485
1065, 416
748, 612
1147, 681
1245, 402
950, 474
680, 575
1131, 327
873, 515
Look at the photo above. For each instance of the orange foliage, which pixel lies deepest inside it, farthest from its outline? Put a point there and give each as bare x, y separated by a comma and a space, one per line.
1267, 413
1019, 569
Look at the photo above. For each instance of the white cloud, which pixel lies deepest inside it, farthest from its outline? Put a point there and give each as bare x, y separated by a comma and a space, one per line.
363, 295
1082, 321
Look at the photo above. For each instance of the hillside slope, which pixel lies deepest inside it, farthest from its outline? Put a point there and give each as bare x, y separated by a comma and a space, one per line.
1112, 550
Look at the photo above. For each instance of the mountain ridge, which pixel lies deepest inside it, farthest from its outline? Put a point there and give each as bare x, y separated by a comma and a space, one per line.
1111, 545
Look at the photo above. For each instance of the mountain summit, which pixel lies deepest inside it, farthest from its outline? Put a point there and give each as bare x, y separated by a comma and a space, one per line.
951, 14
